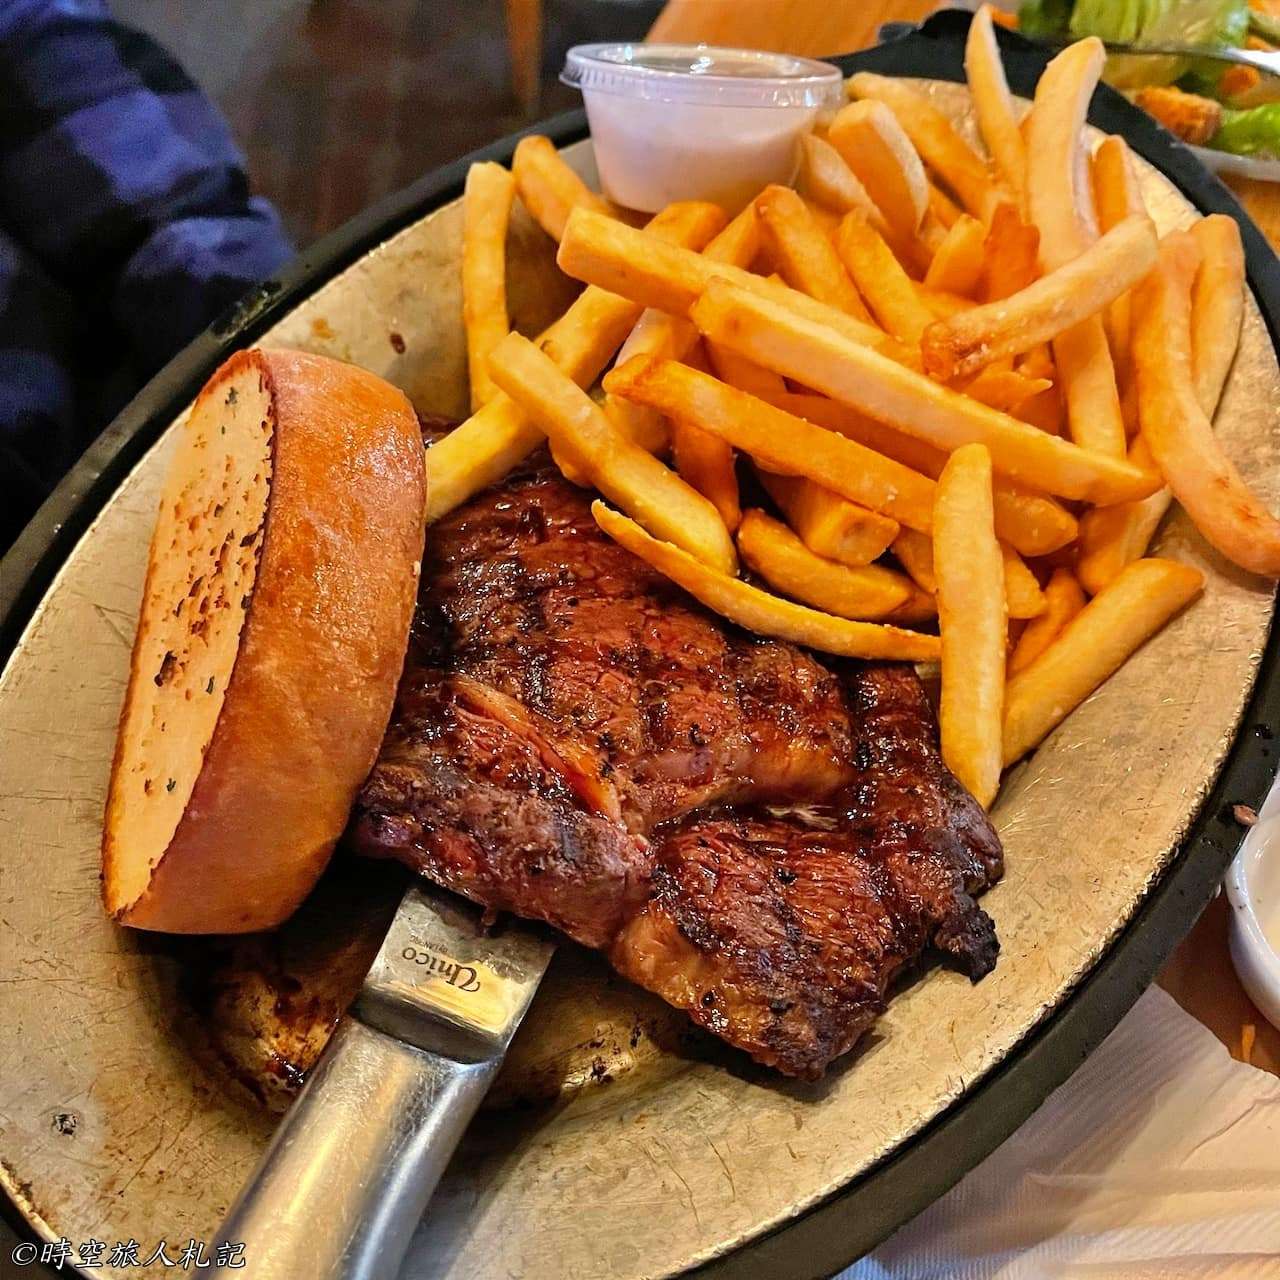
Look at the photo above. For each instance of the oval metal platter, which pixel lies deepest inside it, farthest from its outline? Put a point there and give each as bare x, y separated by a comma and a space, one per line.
617, 1143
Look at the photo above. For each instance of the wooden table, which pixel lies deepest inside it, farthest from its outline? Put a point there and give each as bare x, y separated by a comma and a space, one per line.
1199, 975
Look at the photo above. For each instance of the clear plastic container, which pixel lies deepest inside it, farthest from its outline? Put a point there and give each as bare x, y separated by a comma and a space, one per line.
693, 122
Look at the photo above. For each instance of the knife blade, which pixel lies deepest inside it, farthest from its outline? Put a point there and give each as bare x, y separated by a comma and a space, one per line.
351, 1167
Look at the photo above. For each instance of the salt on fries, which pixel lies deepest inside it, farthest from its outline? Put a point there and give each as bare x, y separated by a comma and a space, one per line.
771, 550
490, 443
856, 375
548, 188
1092, 646
972, 620
900, 388
766, 614
486, 212
1044, 309
1177, 429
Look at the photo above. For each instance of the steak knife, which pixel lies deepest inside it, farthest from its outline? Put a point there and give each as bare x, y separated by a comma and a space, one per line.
350, 1169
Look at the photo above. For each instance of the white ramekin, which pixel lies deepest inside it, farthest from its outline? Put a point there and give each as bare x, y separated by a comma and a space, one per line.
1253, 889
692, 122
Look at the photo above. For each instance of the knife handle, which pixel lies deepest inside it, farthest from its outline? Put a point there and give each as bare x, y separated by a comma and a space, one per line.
346, 1178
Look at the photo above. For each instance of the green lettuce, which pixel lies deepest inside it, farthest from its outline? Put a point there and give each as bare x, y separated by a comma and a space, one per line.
1248, 133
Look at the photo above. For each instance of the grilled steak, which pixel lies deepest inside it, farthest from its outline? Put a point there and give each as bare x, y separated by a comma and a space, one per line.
762, 839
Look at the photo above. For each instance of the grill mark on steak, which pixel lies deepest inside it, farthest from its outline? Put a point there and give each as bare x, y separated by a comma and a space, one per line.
762, 839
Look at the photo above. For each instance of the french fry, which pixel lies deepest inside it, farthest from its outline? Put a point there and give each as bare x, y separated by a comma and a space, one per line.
919, 607
825, 177
873, 144
761, 612
803, 253
1091, 647
1046, 308
942, 306
483, 449
671, 337
706, 462
1004, 389
888, 289
933, 135
1217, 309
771, 550
829, 525
1175, 426
486, 211
1023, 595
1054, 150
738, 372
1011, 254
606, 253
1116, 196
973, 622
1031, 523
548, 188
1061, 206
1112, 537
942, 208
993, 104
815, 355
957, 265
622, 471
914, 552
776, 440
1063, 600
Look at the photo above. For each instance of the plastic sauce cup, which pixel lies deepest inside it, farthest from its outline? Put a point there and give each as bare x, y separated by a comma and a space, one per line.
692, 122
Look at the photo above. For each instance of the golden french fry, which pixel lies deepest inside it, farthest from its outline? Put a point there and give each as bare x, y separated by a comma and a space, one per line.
1031, 523
873, 144
888, 289
914, 552
761, 612
738, 372
1088, 380
1063, 600
1092, 646
1061, 210
957, 265
1047, 307
1023, 595
671, 337
1175, 426
943, 210
776, 440
918, 607
993, 104
803, 253
817, 356
706, 462
829, 525
1112, 537
1217, 309
1116, 193
548, 188
1004, 389
942, 306
933, 136
622, 471
483, 449
972, 620
606, 253
1011, 254
825, 177
771, 550
486, 211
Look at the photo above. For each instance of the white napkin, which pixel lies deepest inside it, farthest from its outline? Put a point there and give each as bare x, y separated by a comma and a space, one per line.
1158, 1159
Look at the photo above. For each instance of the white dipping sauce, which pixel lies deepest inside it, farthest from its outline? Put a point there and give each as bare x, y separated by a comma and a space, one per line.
690, 122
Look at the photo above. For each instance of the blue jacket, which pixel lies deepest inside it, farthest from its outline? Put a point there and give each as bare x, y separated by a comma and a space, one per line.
126, 225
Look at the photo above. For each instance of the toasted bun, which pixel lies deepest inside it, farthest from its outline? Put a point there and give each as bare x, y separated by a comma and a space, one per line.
275, 618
